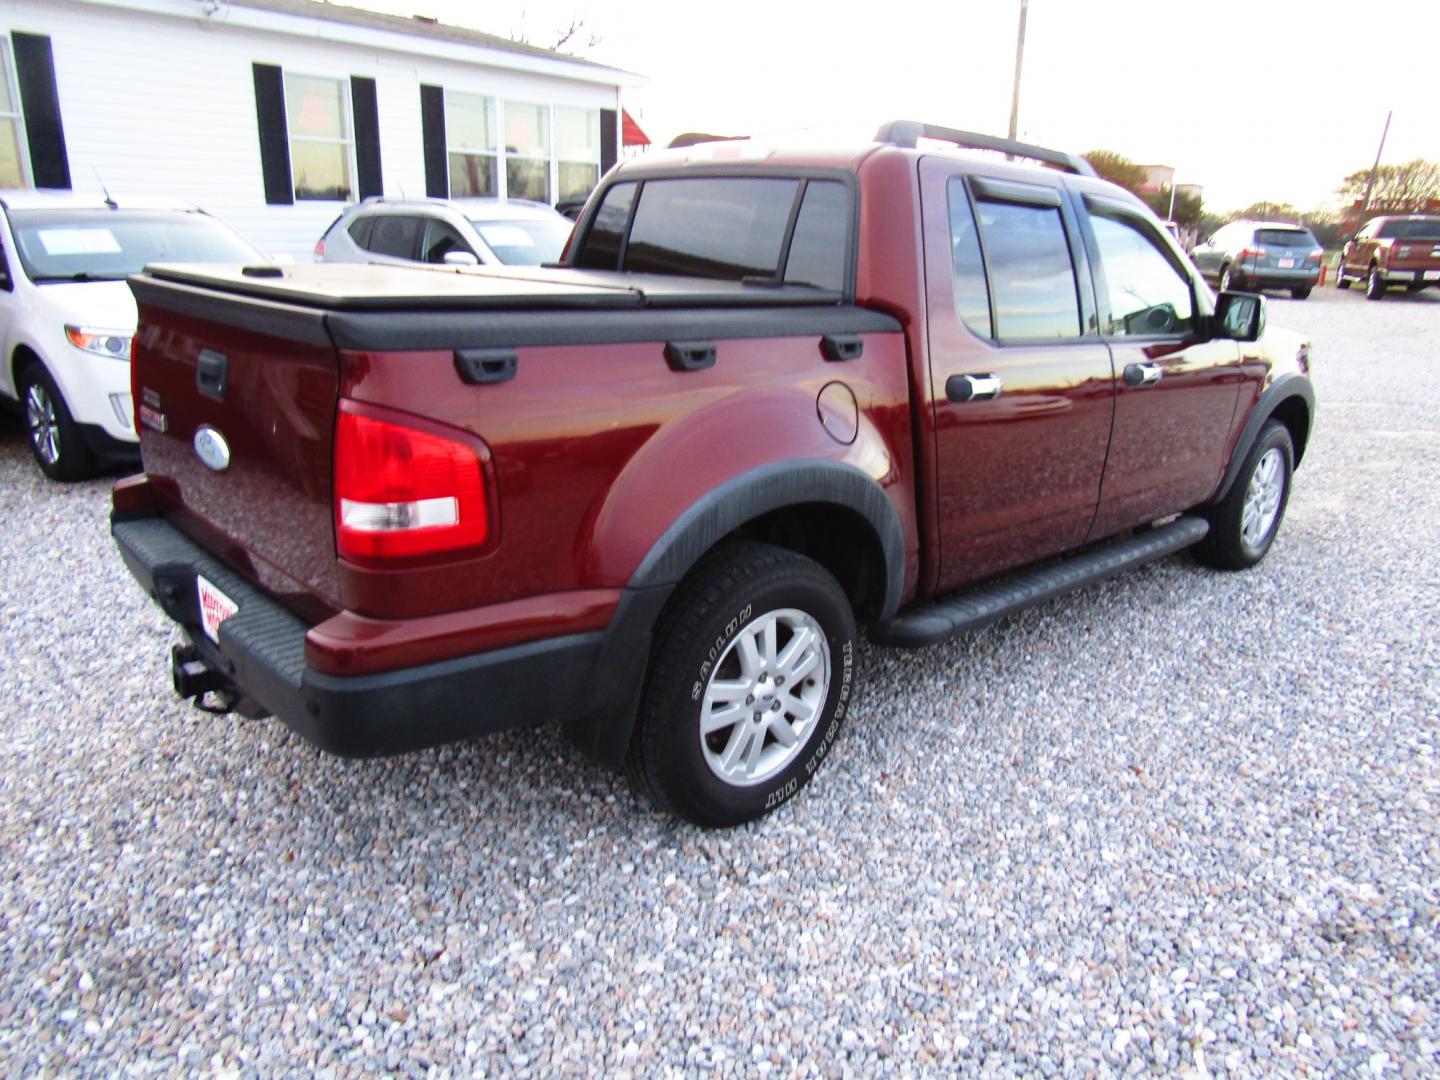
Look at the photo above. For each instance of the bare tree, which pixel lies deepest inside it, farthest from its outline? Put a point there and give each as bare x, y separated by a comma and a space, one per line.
576, 34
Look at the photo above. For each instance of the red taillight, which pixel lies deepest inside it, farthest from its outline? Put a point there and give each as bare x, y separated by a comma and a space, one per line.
402, 492
1253, 253
320, 248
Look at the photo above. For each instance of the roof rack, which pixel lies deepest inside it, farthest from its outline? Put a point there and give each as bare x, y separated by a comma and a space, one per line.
907, 133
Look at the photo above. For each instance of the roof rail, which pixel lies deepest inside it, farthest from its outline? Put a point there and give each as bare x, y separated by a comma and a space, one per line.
907, 132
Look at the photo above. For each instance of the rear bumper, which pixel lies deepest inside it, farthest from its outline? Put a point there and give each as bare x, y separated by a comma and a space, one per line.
1411, 275
1271, 278
261, 652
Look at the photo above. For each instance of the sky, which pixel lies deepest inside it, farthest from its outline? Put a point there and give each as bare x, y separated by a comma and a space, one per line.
1252, 99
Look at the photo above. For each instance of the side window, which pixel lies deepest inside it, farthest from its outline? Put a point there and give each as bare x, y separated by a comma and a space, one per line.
396, 235
359, 230
602, 244
441, 238
972, 295
1147, 295
1031, 274
712, 228
818, 248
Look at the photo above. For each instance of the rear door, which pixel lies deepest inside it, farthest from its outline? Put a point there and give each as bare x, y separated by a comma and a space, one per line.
1176, 390
1021, 384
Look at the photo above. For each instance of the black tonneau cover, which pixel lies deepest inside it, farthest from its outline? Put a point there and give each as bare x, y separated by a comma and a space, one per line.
372, 287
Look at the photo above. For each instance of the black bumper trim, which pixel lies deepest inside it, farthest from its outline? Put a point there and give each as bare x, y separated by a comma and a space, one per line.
262, 651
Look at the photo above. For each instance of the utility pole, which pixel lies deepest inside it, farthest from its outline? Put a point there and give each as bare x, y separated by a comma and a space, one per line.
1370, 186
1019, 62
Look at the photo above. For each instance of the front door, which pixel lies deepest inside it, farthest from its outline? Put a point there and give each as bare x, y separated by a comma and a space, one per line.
1021, 384
1176, 390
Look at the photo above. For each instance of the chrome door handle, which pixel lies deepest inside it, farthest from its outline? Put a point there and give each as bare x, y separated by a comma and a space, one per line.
963, 388
1143, 374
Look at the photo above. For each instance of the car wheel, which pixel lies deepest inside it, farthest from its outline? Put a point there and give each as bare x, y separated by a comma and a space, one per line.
750, 677
1244, 523
1300, 294
54, 439
1227, 279
1375, 285
1341, 281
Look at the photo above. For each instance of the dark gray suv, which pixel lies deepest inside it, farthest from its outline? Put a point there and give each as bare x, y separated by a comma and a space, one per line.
1261, 255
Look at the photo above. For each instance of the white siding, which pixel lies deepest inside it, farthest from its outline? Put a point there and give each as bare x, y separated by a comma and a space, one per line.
164, 106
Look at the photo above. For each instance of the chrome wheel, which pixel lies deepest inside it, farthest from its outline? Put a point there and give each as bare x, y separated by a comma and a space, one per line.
764, 697
42, 424
1263, 497
1227, 280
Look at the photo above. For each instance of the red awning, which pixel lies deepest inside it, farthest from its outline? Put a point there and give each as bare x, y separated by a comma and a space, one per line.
630, 133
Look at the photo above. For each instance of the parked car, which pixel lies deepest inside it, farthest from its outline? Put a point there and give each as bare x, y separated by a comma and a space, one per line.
455, 232
67, 316
650, 495
1261, 255
1389, 251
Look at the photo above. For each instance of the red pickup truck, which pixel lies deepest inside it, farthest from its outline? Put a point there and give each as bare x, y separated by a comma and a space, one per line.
1391, 250
649, 494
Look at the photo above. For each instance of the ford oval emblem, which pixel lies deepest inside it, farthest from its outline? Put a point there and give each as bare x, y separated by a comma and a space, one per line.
212, 449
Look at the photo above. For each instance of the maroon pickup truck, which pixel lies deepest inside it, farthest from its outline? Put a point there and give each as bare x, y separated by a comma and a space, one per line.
770, 395
1391, 251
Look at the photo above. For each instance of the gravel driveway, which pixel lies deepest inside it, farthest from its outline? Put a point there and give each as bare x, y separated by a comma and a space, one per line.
1180, 821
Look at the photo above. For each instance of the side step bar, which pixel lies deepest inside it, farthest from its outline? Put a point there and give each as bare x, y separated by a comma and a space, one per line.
972, 609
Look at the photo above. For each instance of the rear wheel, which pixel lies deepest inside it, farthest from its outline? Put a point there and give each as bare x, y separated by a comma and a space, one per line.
1227, 279
1300, 293
750, 679
54, 438
1244, 523
1341, 281
1375, 285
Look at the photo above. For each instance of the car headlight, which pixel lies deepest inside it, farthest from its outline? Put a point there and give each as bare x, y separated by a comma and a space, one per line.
112, 343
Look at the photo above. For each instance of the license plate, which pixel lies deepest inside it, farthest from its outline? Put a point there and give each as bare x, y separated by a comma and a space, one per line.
1286, 264
215, 608
1432, 275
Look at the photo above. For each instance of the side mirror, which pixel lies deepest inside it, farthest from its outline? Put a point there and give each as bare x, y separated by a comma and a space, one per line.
460, 258
1239, 316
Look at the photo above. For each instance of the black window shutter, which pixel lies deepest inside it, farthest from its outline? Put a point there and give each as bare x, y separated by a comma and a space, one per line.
40, 102
432, 134
274, 138
608, 133
367, 136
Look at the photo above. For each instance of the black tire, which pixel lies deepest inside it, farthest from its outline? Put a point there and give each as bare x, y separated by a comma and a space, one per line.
1226, 546
1300, 293
1375, 285
55, 440
697, 649
1415, 286
1341, 281
1227, 278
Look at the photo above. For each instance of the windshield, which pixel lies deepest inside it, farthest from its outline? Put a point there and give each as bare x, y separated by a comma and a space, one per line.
525, 242
106, 245
1412, 229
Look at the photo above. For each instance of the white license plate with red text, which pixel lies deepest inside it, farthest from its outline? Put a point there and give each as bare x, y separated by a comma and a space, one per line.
215, 608
1285, 264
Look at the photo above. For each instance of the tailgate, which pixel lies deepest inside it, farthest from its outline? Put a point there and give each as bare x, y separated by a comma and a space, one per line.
236, 399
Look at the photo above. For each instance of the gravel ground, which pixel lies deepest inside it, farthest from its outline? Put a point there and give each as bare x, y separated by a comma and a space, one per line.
1181, 822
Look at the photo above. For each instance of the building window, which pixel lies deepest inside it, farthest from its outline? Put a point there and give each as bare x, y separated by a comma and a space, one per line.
527, 152
577, 150
12, 141
321, 142
470, 143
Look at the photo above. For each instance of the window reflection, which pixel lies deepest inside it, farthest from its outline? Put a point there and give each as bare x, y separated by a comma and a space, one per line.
1147, 294
1030, 271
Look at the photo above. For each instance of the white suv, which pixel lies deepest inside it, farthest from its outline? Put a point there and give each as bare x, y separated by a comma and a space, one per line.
67, 316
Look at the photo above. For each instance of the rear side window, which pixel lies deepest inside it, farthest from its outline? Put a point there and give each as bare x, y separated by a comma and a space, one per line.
972, 296
395, 235
818, 248
359, 231
726, 228
1031, 273
1286, 238
713, 228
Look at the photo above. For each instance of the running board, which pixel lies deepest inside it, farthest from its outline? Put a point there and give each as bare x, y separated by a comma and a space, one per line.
972, 609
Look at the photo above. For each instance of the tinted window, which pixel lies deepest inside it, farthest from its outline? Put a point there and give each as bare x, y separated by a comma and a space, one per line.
818, 248
1289, 238
972, 296
1030, 271
1147, 295
55, 245
441, 238
602, 244
396, 235
1422, 229
359, 230
711, 227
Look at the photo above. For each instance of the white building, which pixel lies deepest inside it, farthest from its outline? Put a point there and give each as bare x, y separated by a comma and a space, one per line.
272, 114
